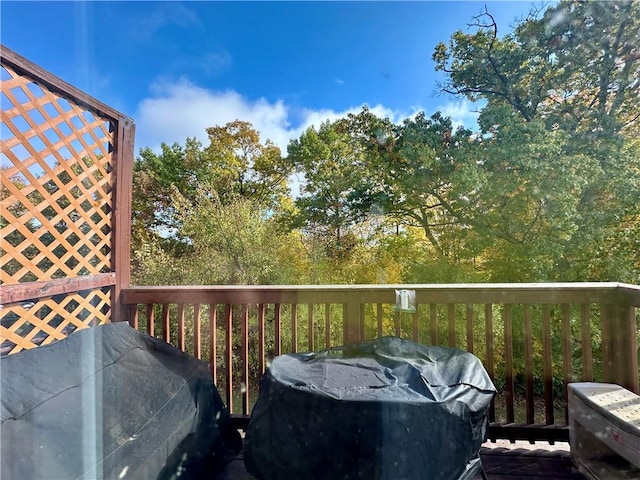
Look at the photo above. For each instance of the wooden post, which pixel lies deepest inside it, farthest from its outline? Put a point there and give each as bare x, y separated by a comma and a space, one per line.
121, 214
623, 347
353, 318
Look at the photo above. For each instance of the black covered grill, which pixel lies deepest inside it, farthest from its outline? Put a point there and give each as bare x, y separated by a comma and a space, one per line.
109, 402
383, 409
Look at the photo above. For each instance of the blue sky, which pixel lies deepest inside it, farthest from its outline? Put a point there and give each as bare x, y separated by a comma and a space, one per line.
179, 67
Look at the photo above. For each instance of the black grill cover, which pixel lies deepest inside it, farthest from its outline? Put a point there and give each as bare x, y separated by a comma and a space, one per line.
384, 409
109, 402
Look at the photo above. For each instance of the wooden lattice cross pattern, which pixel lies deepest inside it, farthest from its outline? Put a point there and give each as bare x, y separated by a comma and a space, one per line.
56, 168
44, 322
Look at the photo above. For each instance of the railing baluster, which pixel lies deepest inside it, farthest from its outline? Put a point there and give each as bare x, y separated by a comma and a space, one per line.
277, 341
433, 317
605, 338
548, 370
166, 327
244, 387
294, 327
452, 325
397, 323
488, 321
311, 332
213, 341
587, 355
379, 318
469, 328
181, 344
327, 325
197, 349
508, 360
567, 362
416, 330
228, 315
528, 364
151, 319
261, 349
345, 331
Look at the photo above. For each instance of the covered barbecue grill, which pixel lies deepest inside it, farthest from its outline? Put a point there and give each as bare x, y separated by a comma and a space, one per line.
383, 409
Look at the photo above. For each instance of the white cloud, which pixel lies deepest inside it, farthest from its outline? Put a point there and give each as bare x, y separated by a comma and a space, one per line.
462, 113
215, 62
163, 14
179, 109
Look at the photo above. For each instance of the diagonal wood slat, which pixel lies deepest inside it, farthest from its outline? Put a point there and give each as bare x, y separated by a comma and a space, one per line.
51, 171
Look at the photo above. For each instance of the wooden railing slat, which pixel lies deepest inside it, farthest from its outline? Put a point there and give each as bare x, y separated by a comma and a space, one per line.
587, 355
508, 361
327, 325
548, 371
166, 327
379, 319
469, 328
228, 316
277, 329
567, 362
213, 341
197, 349
180, 316
150, 319
261, 340
451, 324
294, 328
244, 387
528, 365
433, 319
397, 324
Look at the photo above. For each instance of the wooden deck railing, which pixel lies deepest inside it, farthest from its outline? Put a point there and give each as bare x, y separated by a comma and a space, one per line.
533, 339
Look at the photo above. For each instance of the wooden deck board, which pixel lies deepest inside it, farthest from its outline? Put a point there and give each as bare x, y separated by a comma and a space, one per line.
498, 463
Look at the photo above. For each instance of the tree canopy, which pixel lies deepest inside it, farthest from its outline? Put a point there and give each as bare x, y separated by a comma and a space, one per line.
546, 188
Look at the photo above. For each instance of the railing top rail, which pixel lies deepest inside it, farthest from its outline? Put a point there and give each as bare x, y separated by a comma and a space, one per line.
56, 84
425, 286
535, 293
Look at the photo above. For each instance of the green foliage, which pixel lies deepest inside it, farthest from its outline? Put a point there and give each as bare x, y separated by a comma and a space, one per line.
548, 185
546, 190
236, 164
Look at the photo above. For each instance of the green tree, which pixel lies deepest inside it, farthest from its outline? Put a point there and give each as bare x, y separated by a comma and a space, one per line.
237, 242
237, 163
155, 176
335, 173
576, 64
555, 163
417, 179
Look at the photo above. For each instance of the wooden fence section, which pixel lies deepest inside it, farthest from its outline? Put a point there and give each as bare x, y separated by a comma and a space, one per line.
532, 339
66, 163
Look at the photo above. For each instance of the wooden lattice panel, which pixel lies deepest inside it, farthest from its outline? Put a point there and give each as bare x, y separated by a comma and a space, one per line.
56, 197
30, 324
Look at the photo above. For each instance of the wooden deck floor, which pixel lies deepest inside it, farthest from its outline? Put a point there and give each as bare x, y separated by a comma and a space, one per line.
499, 464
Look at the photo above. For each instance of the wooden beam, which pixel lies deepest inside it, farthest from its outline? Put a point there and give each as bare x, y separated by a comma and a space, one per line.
55, 84
121, 232
42, 289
